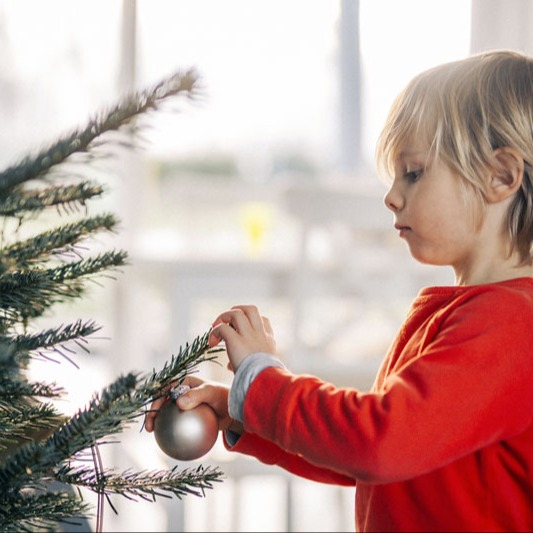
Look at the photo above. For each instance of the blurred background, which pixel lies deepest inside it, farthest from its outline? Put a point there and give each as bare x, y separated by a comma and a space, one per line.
262, 190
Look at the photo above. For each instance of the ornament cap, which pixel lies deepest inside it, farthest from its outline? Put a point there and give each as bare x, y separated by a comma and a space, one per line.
177, 391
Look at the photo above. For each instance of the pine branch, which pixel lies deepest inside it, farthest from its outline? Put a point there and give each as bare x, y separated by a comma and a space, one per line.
55, 340
82, 140
13, 389
20, 201
27, 294
26, 421
179, 366
86, 267
8, 352
16, 420
58, 241
146, 485
40, 271
41, 512
106, 414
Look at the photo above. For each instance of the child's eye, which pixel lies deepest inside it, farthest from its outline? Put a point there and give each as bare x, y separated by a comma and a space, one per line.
413, 175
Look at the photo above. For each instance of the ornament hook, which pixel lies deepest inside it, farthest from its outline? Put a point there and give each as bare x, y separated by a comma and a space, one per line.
177, 391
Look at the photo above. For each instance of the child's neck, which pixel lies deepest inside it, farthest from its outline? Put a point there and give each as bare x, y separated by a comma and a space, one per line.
493, 274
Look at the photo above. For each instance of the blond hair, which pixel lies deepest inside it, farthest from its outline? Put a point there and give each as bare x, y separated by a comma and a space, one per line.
465, 110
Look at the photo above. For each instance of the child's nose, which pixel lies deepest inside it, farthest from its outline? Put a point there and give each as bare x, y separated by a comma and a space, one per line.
393, 199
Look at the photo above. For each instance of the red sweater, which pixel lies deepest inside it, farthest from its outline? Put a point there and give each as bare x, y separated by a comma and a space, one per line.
443, 441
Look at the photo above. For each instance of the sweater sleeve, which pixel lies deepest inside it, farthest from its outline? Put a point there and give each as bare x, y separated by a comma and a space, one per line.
265, 451
465, 388
246, 373
271, 454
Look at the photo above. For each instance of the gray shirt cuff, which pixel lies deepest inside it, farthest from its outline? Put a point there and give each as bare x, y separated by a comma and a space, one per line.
248, 370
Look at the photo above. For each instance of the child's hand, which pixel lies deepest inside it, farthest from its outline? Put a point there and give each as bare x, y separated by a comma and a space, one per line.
211, 393
244, 331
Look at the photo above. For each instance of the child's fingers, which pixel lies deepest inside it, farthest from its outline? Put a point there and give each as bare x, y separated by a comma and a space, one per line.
220, 332
243, 319
236, 318
251, 312
190, 381
152, 413
194, 397
267, 325
256, 320
213, 338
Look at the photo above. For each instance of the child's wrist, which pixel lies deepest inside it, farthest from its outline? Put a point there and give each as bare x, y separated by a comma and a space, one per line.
236, 427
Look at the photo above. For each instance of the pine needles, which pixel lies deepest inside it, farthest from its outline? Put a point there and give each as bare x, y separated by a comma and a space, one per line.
40, 447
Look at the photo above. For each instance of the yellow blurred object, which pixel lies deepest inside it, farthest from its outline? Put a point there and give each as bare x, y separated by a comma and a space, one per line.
256, 219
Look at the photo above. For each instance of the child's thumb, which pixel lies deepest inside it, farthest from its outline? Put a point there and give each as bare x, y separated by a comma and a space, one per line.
186, 401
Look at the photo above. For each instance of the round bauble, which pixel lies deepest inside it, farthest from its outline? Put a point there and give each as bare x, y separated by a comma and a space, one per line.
185, 435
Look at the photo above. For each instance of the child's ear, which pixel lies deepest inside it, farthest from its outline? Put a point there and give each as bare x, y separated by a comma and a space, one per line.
506, 175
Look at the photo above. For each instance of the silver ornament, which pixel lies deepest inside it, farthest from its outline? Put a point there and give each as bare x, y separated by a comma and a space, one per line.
185, 435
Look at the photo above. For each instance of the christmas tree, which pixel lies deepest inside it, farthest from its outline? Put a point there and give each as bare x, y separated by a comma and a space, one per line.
39, 269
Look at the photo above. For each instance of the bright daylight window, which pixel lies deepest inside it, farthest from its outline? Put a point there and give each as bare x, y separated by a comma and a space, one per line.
206, 195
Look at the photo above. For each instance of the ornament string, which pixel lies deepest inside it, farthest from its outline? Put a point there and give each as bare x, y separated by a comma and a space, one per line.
98, 468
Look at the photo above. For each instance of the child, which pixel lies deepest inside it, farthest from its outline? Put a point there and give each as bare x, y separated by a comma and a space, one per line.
444, 440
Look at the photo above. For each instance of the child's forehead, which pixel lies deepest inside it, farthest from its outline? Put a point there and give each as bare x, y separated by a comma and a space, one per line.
414, 129
413, 152
412, 148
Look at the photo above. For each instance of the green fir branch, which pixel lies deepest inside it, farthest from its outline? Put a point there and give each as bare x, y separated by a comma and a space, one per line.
14, 389
20, 201
23, 422
87, 267
28, 294
8, 352
81, 140
57, 241
37, 444
16, 420
45, 344
28, 417
179, 366
42, 512
146, 485
106, 414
